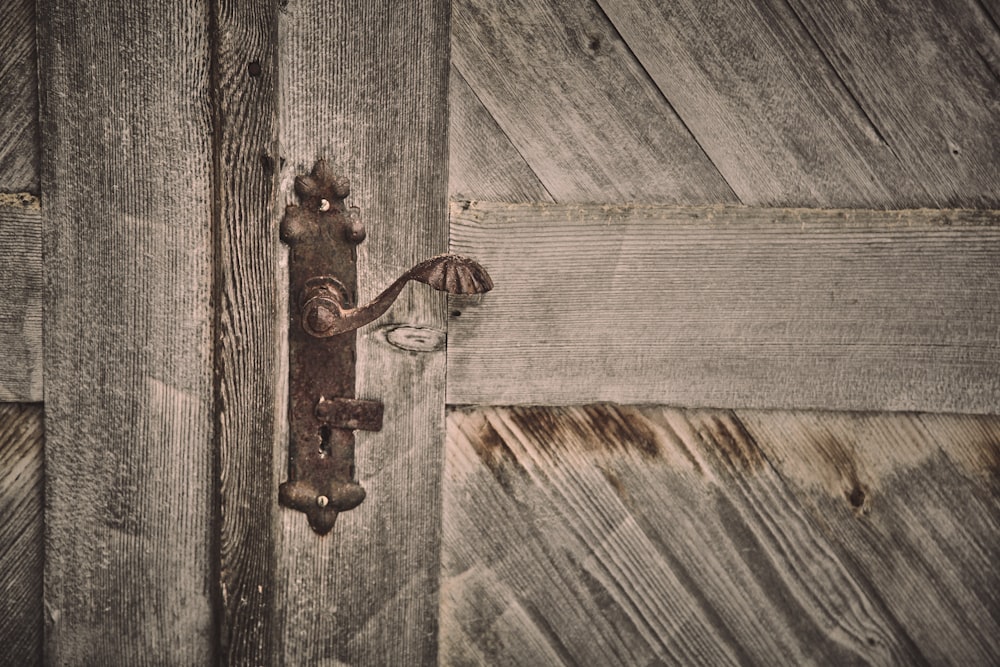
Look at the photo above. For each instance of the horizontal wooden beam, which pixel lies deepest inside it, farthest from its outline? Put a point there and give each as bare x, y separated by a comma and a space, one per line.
729, 307
21, 287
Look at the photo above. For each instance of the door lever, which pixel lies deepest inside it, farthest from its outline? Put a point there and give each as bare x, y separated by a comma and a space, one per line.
322, 235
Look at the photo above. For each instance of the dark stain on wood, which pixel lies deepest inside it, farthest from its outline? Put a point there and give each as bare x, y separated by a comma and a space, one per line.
837, 456
624, 427
758, 559
726, 436
987, 456
616, 429
496, 455
616, 483
857, 497
680, 444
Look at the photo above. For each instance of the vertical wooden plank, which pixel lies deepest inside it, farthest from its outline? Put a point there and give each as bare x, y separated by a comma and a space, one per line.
19, 111
21, 554
126, 171
364, 85
247, 372
20, 298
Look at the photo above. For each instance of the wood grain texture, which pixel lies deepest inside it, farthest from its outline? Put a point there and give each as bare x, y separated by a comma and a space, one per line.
19, 111
364, 85
21, 535
606, 534
127, 237
925, 494
735, 307
21, 286
929, 80
765, 104
482, 162
565, 89
249, 382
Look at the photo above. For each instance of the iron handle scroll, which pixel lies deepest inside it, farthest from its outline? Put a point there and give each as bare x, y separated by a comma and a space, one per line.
322, 235
324, 314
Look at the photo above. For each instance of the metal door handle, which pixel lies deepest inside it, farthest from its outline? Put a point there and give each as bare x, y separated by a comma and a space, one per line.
323, 313
322, 235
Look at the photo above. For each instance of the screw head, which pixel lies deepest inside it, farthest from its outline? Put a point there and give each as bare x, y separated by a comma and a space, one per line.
354, 230
319, 317
322, 501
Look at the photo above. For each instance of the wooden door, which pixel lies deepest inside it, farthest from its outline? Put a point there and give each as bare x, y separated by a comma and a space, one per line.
695, 423
699, 421
170, 136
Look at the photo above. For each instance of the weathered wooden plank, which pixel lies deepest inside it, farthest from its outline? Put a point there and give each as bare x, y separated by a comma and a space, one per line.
913, 503
482, 162
19, 111
21, 286
929, 80
249, 378
21, 555
127, 173
765, 105
364, 85
566, 90
729, 307
606, 534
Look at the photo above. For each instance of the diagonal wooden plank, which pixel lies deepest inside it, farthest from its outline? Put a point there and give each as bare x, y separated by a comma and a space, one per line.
21, 285
248, 377
364, 85
911, 501
19, 111
563, 86
628, 535
943, 123
837, 309
21, 554
482, 162
126, 171
765, 105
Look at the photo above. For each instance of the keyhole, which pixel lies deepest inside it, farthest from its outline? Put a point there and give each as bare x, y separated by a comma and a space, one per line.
324, 439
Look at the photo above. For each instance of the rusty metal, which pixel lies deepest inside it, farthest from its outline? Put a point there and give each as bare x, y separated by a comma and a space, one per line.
322, 234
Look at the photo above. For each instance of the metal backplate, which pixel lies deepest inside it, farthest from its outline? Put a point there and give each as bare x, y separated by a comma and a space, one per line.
322, 235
